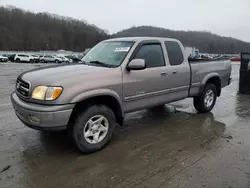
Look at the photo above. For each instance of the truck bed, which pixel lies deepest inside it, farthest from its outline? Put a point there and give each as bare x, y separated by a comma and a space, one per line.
203, 69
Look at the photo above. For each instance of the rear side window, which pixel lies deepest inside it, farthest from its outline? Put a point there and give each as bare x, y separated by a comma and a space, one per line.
152, 54
175, 54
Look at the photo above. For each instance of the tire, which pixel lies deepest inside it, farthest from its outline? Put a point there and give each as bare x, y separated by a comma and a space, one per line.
203, 103
81, 128
18, 60
56, 61
42, 61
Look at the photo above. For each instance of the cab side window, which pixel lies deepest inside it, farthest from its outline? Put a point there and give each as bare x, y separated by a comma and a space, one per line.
175, 54
152, 54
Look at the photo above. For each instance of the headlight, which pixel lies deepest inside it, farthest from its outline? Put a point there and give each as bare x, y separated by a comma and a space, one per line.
46, 93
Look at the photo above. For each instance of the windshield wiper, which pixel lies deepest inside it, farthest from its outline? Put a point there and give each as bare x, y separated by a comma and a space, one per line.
101, 63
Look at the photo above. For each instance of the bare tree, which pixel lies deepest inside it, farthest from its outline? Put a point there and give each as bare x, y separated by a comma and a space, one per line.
22, 30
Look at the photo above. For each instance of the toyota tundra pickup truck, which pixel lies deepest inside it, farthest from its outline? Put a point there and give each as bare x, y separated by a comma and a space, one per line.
115, 77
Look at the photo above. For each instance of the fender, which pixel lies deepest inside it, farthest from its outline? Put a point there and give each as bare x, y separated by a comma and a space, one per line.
207, 77
95, 93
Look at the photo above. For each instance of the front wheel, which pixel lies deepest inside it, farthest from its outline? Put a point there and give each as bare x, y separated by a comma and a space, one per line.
206, 101
93, 128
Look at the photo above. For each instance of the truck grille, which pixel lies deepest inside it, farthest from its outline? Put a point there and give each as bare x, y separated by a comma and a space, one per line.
22, 87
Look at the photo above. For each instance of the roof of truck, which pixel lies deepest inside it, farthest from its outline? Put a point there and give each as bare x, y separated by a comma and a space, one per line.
141, 39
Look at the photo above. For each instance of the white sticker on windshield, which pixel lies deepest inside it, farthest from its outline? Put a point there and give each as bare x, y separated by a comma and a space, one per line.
122, 49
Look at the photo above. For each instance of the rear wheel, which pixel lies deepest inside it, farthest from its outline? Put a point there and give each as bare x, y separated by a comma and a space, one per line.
43, 61
18, 60
206, 101
93, 128
56, 61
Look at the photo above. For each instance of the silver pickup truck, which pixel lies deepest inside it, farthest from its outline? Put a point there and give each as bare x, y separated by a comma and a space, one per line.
115, 77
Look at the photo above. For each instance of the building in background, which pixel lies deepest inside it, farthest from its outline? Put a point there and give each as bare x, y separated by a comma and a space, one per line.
191, 52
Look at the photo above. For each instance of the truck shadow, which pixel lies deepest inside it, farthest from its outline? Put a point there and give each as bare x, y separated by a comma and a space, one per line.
151, 141
164, 122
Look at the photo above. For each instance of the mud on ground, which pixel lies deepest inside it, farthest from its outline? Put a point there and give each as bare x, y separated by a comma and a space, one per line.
171, 147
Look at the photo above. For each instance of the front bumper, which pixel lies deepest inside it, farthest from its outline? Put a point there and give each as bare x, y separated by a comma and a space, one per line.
42, 117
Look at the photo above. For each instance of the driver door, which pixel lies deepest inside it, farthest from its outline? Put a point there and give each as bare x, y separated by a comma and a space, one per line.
147, 87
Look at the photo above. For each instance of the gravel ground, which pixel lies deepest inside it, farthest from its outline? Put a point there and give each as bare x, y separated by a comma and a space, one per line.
171, 147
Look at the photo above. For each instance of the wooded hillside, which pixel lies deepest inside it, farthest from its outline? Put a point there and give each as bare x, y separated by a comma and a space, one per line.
204, 41
22, 30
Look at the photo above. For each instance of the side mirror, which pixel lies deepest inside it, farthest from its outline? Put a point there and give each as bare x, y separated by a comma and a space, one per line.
136, 64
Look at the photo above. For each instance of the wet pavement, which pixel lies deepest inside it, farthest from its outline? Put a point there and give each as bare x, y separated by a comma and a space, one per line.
171, 147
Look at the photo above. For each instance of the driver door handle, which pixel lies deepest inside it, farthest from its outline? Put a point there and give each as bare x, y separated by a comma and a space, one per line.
174, 72
164, 74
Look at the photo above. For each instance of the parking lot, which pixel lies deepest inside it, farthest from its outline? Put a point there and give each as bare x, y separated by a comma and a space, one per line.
171, 147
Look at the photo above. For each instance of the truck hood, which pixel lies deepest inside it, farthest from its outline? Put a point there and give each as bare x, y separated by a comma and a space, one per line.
59, 73
75, 80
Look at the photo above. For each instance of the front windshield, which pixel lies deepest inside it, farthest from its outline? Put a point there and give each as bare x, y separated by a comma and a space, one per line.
111, 53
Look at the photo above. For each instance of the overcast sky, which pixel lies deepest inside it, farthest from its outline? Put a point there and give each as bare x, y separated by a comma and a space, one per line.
224, 17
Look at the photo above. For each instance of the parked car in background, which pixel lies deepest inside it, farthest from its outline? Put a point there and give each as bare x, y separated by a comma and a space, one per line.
6, 55
23, 58
36, 58
206, 56
235, 59
74, 58
51, 59
65, 59
3, 58
221, 57
12, 57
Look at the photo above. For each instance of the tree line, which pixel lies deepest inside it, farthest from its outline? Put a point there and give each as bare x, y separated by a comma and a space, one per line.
23, 30
205, 41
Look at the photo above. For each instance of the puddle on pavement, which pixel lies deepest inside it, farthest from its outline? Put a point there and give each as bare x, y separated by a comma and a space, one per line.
155, 141
158, 142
